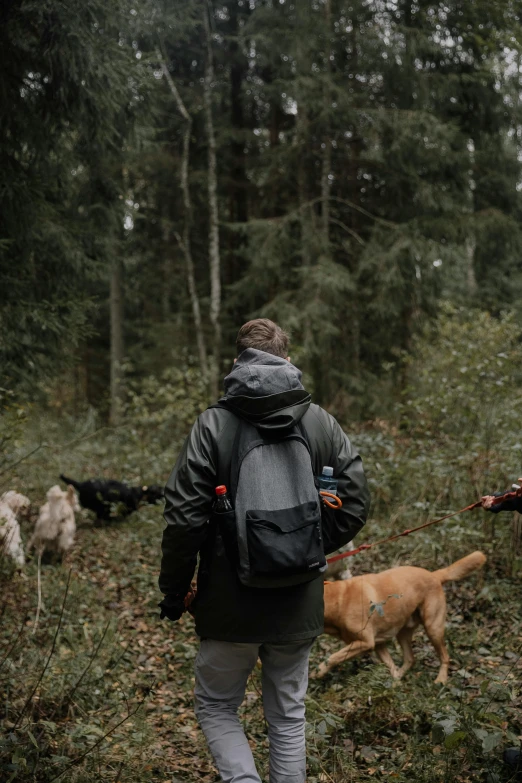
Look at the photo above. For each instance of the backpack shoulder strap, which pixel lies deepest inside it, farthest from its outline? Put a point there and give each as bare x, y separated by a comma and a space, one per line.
301, 428
226, 446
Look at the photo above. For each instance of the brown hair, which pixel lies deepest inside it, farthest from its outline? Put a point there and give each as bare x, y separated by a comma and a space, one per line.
264, 335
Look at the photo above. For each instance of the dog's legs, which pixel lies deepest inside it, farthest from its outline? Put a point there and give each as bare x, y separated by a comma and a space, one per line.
39, 607
404, 638
442, 651
350, 651
384, 654
433, 614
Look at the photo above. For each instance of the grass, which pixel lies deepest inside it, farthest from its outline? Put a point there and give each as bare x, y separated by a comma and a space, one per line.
103, 690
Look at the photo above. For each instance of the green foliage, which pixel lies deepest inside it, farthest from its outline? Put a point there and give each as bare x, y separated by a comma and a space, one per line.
110, 648
465, 377
81, 693
13, 422
66, 101
161, 410
368, 161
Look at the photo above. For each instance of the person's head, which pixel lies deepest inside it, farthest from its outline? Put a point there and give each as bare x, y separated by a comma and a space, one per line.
265, 335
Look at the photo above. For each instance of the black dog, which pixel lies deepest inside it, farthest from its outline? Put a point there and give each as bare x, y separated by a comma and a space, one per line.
105, 496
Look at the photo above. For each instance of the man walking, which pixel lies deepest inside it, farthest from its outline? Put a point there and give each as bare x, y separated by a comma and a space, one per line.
260, 586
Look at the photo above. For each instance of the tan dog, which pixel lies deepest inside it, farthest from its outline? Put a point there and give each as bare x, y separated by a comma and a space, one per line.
367, 611
11, 504
56, 526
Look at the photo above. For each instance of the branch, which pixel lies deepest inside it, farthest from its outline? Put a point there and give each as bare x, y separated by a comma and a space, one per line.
39, 680
39, 607
293, 213
363, 211
349, 230
179, 240
78, 759
13, 645
174, 90
93, 656
26, 456
184, 183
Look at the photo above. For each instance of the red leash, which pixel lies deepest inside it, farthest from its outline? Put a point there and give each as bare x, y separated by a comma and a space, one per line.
363, 547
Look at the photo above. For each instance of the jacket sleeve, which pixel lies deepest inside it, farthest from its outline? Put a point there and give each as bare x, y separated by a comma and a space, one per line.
515, 504
343, 525
188, 494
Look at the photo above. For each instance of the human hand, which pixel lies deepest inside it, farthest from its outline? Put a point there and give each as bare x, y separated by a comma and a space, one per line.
172, 607
189, 599
488, 501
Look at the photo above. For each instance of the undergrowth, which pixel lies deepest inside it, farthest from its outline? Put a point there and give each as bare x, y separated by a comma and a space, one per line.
102, 690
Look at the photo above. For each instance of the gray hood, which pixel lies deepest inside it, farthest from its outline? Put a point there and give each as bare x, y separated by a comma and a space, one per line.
266, 390
258, 374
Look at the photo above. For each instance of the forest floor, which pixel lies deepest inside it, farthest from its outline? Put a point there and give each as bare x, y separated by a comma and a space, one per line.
103, 690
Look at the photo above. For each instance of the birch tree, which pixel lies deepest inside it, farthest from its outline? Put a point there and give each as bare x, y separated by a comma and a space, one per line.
184, 240
327, 143
213, 233
116, 350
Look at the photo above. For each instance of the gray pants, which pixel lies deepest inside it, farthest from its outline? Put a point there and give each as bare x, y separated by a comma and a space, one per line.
222, 670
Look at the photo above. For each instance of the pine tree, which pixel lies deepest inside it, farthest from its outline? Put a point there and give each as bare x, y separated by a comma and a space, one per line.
63, 95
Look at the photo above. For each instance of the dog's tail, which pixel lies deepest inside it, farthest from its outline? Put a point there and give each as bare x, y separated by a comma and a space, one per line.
462, 567
69, 481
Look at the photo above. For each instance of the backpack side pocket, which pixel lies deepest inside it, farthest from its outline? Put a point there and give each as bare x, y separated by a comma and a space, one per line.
225, 523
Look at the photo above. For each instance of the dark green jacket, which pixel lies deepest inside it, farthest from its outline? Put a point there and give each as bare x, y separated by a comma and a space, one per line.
224, 608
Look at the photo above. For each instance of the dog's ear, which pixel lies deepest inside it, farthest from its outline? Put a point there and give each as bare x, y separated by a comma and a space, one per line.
18, 502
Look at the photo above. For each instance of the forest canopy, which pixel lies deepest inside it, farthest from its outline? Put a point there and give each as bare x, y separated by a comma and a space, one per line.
169, 170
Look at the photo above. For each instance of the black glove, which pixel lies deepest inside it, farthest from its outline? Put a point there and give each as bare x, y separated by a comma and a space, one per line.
172, 607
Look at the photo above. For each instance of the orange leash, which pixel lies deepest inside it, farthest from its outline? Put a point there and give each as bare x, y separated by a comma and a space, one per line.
363, 547
328, 497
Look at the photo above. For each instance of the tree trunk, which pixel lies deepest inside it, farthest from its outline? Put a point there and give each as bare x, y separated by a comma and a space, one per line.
184, 242
309, 244
471, 278
238, 187
238, 69
516, 548
116, 311
302, 188
325, 192
353, 167
187, 250
356, 338
167, 273
471, 241
213, 237
327, 144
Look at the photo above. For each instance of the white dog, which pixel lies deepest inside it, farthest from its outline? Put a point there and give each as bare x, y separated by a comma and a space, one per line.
11, 503
56, 526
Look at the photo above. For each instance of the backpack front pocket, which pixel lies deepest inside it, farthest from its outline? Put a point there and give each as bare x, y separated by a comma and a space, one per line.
285, 542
